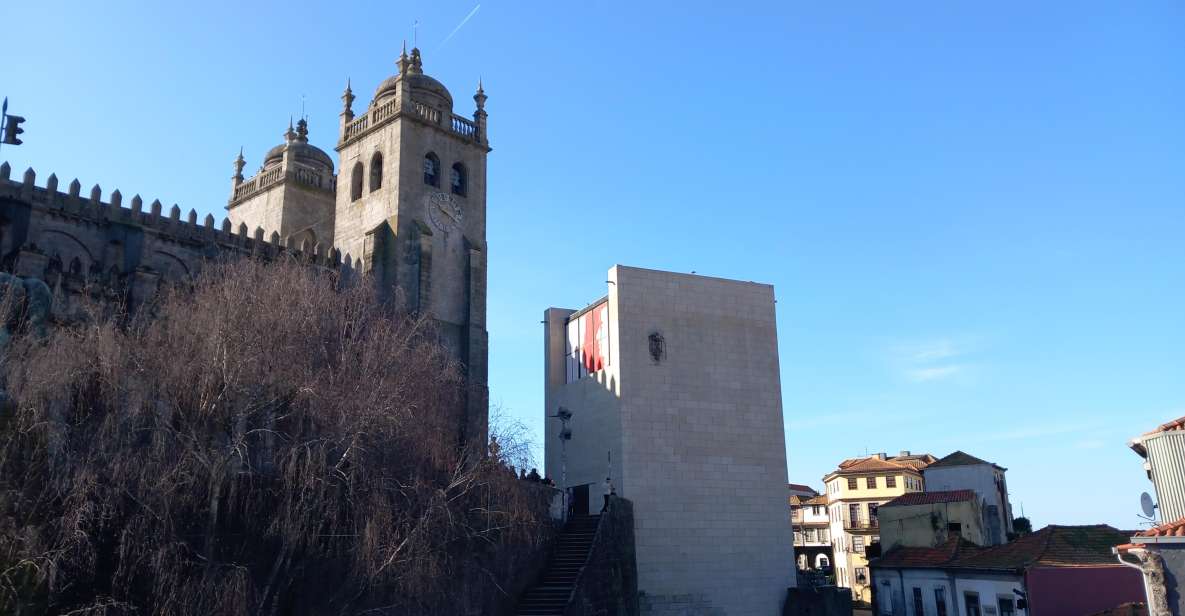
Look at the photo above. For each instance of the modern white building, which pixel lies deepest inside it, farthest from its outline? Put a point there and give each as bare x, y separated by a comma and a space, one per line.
962, 471
673, 387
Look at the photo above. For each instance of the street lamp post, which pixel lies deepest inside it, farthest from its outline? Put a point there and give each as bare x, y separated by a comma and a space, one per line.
564, 415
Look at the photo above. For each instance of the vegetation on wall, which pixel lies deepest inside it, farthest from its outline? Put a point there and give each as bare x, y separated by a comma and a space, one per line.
269, 441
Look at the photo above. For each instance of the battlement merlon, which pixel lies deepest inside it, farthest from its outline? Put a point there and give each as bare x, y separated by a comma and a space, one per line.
73, 215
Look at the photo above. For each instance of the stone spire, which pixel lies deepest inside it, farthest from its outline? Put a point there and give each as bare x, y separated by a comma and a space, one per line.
403, 62
240, 162
348, 102
479, 115
289, 135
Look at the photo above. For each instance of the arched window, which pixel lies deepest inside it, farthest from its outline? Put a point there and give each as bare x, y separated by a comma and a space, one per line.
822, 562
356, 182
376, 171
431, 170
459, 180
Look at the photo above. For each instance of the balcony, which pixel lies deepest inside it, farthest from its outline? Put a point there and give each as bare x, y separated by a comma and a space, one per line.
861, 525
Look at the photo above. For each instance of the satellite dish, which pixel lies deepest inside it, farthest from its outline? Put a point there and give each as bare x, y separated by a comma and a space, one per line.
1147, 505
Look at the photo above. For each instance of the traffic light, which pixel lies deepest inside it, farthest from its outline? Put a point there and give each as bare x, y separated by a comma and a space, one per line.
12, 128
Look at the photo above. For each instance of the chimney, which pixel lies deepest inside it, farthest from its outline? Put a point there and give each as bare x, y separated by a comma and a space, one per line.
881, 456
904, 452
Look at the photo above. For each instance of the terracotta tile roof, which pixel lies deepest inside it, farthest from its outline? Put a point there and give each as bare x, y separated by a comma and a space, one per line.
817, 500
1137, 444
961, 458
795, 499
1052, 546
926, 558
1171, 529
931, 498
1176, 424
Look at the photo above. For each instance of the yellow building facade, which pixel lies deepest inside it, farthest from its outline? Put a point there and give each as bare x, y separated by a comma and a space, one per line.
855, 491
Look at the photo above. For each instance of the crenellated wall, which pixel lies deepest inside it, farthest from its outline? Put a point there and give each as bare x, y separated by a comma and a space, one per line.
75, 242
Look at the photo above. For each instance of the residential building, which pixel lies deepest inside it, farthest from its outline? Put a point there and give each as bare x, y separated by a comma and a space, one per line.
812, 533
1056, 571
1159, 554
962, 471
929, 519
801, 490
855, 490
674, 391
1163, 450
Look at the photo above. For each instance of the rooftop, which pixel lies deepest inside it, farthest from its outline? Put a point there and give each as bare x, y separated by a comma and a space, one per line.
877, 463
1176, 425
1052, 546
961, 458
931, 498
798, 487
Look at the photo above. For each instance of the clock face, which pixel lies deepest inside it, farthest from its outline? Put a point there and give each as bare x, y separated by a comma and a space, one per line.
444, 211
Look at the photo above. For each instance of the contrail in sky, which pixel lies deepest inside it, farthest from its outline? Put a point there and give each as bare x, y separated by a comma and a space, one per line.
460, 25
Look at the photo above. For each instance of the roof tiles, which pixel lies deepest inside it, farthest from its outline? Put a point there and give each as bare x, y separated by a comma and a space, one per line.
1052, 546
931, 498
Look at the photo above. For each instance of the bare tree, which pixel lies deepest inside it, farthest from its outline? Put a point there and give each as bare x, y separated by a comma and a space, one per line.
268, 441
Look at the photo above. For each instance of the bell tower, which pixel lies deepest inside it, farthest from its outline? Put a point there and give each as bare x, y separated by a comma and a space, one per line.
411, 206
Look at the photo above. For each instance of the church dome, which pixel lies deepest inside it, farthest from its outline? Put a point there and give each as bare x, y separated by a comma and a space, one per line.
299, 148
422, 87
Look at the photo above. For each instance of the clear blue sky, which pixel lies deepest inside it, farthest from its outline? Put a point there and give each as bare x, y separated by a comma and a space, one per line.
973, 214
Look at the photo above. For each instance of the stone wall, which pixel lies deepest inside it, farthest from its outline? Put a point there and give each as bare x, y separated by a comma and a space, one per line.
818, 602
608, 584
121, 252
703, 445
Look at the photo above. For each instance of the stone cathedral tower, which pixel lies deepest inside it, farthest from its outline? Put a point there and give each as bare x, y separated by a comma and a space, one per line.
409, 204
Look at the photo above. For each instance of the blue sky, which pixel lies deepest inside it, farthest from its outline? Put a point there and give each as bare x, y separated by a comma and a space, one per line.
973, 215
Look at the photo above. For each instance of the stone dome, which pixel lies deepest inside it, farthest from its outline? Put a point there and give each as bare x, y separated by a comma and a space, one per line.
300, 149
419, 82
304, 152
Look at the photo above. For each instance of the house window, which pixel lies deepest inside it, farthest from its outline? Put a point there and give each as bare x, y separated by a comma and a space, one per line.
459, 180
822, 562
853, 515
919, 607
817, 509
356, 182
851, 483
431, 170
870, 482
823, 535
797, 538
971, 604
873, 508
376, 172
1006, 605
862, 576
857, 544
940, 601
891, 481
810, 535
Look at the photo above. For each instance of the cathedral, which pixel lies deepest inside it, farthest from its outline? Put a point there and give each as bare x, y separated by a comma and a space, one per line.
406, 205
408, 200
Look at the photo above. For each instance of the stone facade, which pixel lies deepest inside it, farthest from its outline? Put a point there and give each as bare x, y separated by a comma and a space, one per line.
684, 412
420, 236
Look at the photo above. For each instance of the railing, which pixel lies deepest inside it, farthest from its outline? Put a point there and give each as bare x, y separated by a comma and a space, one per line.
459, 125
850, 524
357, 127
428, 113
309, 177
464, 127
384, 111
261, 181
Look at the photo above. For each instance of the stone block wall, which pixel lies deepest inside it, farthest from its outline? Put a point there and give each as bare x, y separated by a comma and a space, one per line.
608, 585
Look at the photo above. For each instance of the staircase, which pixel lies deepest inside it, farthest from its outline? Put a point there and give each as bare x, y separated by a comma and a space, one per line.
550, 596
